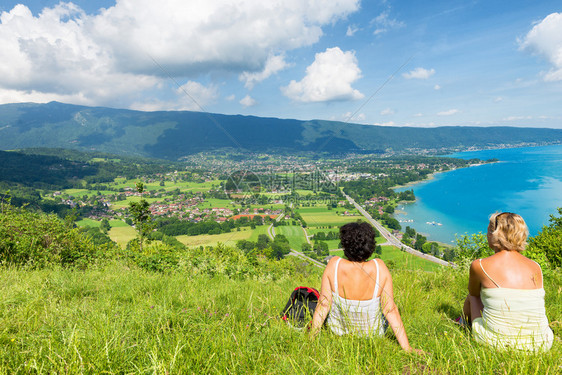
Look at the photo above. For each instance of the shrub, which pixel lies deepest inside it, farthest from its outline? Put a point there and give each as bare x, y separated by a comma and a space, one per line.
37, 240
548, 243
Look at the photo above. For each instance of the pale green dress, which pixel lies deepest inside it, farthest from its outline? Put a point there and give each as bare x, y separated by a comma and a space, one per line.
513, 318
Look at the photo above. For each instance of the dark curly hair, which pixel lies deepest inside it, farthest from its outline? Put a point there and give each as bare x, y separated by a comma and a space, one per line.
358, 241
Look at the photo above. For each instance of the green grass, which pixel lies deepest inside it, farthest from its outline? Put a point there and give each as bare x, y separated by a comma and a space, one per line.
229, 239
117, 319
123, 234
213, 202
260, 229
88, 223
322, 217
400, 260
294, 234
118, 223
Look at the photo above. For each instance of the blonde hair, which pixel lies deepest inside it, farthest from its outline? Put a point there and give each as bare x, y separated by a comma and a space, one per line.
507, 231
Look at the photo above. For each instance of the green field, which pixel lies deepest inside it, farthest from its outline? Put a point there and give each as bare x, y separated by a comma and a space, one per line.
88, 223
401, 259
261, 229
213, 239
294, 234
219, 203
81, 192
322, 217
122, 234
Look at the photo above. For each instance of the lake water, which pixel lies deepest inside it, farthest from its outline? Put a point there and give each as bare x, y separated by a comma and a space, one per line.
527, 181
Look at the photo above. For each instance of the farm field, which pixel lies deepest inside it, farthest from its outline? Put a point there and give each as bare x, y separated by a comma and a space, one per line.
123, 234
88, 223
261, 229
322, 217
81, 192
400, 259
294, 234
228, 239
218, 203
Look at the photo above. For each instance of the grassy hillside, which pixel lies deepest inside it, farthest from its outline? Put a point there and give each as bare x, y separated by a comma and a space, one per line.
70, 306
119, 319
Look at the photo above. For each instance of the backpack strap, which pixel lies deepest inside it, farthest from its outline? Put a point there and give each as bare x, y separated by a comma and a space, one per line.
377, 280
336, 277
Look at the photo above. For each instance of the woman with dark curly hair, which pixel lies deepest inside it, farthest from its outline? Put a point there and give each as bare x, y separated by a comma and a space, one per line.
358, 291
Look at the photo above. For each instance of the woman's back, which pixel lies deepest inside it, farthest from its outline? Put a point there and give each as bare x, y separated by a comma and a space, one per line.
355, 299
510, 269
356, 281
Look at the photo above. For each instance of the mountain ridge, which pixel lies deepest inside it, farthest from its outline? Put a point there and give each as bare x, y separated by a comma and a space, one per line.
174, 134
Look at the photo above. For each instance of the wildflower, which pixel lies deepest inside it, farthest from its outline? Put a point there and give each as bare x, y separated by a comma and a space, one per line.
227, 314
13, 340
152, 306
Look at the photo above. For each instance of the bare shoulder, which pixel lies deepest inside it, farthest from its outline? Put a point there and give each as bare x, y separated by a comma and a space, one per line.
333, 260
385, 272
331, 264
534, 266
476, 266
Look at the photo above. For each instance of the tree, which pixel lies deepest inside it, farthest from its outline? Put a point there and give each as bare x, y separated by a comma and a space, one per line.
548, 243
104, 226
449, 254
141, 215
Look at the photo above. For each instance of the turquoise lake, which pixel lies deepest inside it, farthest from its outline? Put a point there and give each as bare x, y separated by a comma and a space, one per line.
527, 181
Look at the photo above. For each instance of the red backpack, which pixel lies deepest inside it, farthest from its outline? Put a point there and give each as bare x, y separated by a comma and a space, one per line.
300, 308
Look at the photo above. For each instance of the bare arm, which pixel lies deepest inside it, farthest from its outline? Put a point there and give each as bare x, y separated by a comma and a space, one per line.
390, 310
474, 282
324, 303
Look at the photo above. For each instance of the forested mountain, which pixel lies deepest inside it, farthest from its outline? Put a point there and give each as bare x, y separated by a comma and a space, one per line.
174, 134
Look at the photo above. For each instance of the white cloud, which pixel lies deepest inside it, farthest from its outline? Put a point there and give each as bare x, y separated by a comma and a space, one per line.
388, 123
114, 54
248, 101
545, 39
387, 111
273, 65
419, 73
449, 112
230, 97
351, 30
196, 96
51, 57
191, 96
498, 99
328, 78
358, 118
383, 23
437, 87
418, 115
517, 118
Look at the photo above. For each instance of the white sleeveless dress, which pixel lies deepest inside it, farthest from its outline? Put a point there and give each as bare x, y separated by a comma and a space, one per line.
363, 318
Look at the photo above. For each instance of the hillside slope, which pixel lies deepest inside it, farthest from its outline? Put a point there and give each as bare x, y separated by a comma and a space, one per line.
174, 134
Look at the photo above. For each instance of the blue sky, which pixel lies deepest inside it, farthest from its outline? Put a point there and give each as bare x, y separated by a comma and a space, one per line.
400, 63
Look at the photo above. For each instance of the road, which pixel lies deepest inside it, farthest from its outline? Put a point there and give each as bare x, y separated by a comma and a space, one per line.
390, 237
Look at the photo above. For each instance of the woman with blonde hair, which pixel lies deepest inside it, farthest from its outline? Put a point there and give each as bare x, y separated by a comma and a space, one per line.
505, 304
